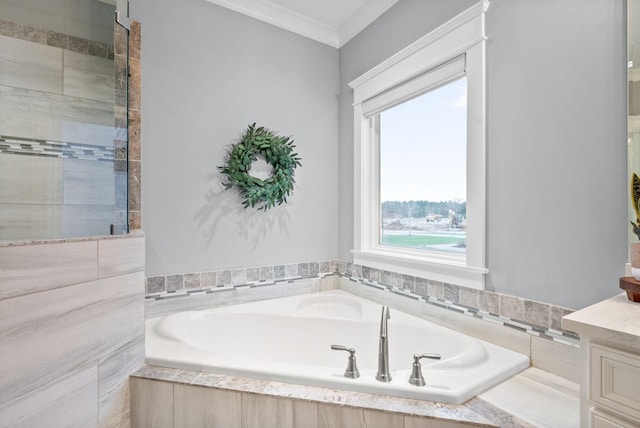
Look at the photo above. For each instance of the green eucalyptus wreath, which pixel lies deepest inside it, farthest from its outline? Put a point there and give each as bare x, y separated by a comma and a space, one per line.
277, 151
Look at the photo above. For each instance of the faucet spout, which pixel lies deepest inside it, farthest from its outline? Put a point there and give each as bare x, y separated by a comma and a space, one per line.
383, 374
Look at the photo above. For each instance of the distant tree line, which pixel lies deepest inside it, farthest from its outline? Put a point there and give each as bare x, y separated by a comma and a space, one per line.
418, 209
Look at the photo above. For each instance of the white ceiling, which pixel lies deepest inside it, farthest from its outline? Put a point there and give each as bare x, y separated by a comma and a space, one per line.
333, 22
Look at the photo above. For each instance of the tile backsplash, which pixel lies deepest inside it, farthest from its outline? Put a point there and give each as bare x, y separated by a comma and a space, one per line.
535, 318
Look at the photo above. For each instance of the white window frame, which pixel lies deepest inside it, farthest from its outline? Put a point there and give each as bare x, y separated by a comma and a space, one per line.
461, 37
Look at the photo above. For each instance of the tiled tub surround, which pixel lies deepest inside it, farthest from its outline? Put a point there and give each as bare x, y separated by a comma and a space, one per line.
287, 339
513, 403
164, 397
173, 293
71, 330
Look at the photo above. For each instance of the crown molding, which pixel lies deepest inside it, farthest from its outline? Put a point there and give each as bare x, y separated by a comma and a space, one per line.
289, 20
369, 12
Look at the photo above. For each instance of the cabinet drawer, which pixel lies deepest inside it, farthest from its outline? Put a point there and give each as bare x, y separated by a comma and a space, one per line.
602, 420
615, 380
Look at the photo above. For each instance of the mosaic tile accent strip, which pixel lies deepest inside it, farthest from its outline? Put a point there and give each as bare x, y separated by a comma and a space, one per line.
55, 149
197, 283
535, 318
58, 40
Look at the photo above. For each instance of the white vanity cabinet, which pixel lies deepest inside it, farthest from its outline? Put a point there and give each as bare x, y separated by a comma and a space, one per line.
610, 362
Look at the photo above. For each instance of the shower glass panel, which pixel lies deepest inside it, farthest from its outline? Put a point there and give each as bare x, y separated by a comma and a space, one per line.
63, 120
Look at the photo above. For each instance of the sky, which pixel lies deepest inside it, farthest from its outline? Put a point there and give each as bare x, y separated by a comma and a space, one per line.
423, 146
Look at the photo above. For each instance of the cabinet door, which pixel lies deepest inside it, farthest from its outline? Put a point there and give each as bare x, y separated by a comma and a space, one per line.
615, 381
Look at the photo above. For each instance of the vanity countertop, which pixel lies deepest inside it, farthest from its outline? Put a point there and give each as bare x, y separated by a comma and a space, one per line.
615, 320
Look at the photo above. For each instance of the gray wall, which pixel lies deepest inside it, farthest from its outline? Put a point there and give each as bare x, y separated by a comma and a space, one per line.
556, 153
207, 73
556, 146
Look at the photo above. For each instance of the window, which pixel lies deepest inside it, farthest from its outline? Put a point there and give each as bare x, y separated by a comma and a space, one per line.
419, 156
423, 170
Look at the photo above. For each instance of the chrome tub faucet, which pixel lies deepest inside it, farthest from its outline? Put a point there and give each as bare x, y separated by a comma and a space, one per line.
383, 374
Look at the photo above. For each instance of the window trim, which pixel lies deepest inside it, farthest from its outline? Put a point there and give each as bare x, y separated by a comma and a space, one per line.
463, 35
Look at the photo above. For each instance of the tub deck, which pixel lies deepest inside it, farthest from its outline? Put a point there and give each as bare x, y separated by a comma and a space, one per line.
175, 397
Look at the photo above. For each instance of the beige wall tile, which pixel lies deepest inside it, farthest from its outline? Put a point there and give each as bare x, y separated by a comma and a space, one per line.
119, 256
32, 114
114, 407
30, 65
69, 401
542, 405
30, 180
86, 220
20, 222
87, 76
206, 407
416, 422
556, 358
262, 411
151, 404
305, 414
494, 333
31, 268
46, 335
401, 303
114, 369
350, 417
88, 182
373, 419
157, 308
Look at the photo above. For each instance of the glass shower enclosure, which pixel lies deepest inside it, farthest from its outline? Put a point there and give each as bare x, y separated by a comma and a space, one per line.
63, 120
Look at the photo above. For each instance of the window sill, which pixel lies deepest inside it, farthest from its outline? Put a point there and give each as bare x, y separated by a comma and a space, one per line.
449, 270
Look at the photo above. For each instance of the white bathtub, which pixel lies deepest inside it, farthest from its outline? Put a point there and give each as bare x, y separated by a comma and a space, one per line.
289, 339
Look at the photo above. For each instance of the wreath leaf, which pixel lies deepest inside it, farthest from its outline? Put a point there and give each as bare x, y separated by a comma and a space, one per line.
278, 152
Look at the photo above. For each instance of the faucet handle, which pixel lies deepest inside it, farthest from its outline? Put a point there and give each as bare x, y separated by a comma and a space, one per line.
352, 371
416, 372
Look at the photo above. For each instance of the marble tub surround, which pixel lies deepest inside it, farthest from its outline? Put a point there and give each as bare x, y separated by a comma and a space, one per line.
536, 317
174, 397
552, 351
188, 283
71, 330
480, 314
211, 289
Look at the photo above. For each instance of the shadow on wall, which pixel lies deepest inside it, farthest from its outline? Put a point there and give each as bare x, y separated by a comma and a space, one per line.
249, 223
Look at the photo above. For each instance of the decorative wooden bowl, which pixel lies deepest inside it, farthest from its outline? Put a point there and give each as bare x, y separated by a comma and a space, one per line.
632, 287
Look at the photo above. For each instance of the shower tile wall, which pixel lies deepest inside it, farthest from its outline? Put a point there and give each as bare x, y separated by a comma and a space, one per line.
55, 88
71, 311
72, 330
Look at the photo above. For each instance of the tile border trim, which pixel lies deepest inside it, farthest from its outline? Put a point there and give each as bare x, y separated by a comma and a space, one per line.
55, 149
54, 39
444, 296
